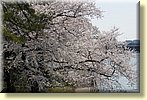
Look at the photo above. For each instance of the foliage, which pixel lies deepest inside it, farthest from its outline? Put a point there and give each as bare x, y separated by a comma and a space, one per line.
20, 19
60, 47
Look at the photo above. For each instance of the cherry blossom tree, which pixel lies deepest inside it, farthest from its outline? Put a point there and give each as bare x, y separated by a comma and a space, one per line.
58, 46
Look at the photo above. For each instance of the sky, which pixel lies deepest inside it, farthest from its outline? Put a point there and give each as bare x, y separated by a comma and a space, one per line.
121, 14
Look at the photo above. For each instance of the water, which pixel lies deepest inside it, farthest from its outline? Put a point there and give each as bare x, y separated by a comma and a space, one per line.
135, 62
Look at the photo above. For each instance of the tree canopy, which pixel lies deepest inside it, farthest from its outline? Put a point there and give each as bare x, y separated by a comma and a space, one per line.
55, 44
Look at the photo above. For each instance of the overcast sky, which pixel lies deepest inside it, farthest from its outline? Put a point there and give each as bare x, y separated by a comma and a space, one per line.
121, 14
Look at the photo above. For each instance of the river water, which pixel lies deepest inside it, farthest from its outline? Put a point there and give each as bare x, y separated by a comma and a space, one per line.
135, 61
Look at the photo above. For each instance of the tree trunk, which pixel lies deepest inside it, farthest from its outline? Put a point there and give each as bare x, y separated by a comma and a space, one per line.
35, 87
10, 88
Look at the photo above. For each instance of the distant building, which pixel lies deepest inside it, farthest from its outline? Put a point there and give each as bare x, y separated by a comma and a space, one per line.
133, 44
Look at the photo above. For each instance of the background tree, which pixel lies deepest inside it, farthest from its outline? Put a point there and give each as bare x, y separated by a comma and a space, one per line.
55, 44
19, 22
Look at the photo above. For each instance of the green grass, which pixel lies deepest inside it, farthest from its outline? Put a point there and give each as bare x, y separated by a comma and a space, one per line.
61, 90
